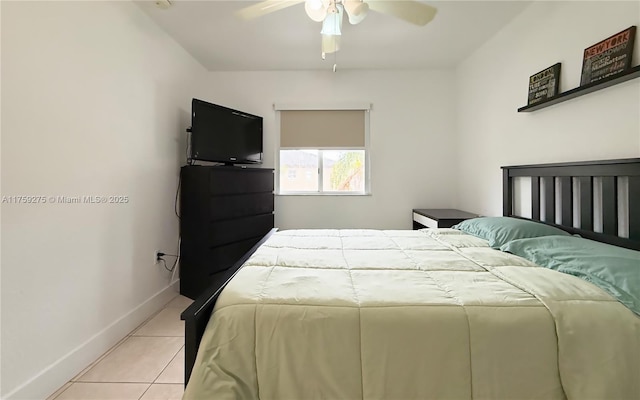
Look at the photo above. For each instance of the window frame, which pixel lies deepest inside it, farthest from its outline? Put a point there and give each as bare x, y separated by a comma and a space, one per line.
321, 191
365, 107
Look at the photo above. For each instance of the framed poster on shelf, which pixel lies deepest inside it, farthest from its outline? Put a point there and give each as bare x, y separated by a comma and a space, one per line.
544, 84
609, 57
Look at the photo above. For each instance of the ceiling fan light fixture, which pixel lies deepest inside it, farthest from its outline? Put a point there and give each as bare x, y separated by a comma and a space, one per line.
316, 10
332, 24
330, 13
330, 44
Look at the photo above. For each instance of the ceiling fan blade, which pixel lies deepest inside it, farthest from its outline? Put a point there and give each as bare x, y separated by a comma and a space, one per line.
356, 10
414, 12
265, 7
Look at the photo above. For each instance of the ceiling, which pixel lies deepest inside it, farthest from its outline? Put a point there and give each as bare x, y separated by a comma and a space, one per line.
289, 40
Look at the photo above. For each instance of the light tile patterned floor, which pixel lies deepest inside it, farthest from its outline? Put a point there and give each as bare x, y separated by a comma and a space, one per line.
148, 364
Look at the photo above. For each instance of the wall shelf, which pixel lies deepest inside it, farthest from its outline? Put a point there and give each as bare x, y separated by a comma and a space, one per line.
582, 90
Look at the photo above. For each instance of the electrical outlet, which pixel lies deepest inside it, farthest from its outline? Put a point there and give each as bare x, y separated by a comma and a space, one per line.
156, 257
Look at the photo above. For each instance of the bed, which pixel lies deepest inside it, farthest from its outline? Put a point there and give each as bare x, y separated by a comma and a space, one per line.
434, 313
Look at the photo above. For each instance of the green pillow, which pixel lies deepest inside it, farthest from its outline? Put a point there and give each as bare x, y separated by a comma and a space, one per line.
500, 230
615, 270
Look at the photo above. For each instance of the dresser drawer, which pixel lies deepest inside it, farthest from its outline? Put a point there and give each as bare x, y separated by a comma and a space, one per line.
223, 257
240, 181
229, 231
226, 207
203, 261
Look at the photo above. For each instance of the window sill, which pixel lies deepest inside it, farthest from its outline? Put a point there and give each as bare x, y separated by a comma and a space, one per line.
322, 194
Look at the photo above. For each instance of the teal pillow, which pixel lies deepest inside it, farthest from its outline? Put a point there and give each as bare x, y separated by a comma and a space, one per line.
500, 230
615, 270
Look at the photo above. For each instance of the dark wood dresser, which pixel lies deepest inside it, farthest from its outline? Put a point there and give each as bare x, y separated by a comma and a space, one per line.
224, 211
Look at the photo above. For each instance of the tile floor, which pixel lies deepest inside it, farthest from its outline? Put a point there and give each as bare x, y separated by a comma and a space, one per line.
148, 364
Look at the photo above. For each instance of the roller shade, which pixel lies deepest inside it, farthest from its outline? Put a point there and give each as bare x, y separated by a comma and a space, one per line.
322, 128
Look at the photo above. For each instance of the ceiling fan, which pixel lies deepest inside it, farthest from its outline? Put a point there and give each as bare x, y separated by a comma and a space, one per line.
330, 13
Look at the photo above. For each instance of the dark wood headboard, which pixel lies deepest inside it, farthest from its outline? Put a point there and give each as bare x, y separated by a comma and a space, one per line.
544, 178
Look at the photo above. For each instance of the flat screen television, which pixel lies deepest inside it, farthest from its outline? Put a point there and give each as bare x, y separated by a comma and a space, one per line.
221, 134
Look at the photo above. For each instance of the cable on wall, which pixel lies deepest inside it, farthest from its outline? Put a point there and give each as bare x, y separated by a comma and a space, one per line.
175, 203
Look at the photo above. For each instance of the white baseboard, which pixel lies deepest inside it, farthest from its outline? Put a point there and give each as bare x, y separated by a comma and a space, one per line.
67, 367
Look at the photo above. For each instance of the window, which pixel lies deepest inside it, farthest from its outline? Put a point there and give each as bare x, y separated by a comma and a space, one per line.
299, 170
342, 171
323, 152
292, 173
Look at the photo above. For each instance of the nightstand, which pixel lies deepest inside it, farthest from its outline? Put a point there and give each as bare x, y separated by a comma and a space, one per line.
439, 218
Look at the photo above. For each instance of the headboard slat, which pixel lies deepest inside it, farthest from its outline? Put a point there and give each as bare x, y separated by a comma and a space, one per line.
586, 203
566, 190
634, 208
609, 205
549, 199
535, 198
507, 195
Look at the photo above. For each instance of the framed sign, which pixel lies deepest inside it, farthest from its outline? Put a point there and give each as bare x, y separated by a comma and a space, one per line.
608, 57
544, 84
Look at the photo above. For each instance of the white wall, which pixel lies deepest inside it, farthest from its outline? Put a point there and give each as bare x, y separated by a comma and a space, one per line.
95, 99
412, 139
493, 84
